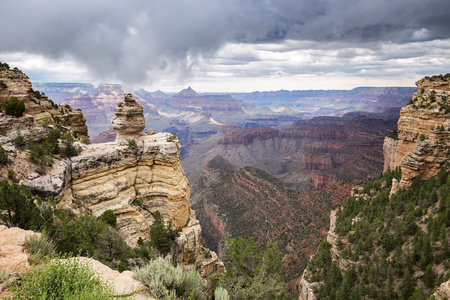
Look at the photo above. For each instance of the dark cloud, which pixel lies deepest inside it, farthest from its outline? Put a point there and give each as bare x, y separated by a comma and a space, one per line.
137, 41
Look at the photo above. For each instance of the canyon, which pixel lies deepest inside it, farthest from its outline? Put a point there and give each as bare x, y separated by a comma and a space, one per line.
420, 150
248, 202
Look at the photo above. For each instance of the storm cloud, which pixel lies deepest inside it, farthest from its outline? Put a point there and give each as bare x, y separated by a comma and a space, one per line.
140, 42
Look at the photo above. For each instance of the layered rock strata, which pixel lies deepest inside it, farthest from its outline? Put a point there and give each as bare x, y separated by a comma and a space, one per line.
422, 148
129, 120
135, 181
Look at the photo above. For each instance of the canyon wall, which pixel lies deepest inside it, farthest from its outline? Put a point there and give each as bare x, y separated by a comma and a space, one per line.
310, 154
423, 132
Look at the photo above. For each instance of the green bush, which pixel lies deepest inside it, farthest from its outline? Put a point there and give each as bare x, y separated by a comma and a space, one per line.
84, 139
172, 138
251, 273
69, 148
394, 134
53, 137
38, 154
19, 208
4, 160
3, 276
109, 217
162, 237
63, 279
89, 236
165, 280
19, 140
14, 107
132, 145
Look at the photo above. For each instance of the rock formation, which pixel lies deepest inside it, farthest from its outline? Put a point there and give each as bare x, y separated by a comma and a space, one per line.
13, 83
133, 180
129, 120
422, 148
443, 292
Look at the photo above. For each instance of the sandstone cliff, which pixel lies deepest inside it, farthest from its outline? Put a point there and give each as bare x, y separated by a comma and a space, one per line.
134, 178
422, 147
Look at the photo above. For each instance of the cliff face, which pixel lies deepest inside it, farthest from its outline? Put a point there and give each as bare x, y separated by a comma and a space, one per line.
134, 181
422, 147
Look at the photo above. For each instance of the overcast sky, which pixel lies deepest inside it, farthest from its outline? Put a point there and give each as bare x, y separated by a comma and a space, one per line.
228, 45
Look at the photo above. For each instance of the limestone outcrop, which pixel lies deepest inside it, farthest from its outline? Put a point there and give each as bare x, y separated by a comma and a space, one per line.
129, 120
422, 148
13, 258
306, 289
443, 291
134, 179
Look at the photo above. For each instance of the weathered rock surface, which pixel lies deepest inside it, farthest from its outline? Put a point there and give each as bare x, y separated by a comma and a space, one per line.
122, 283
443, 291
390, 153
17, 84
13, 257
306, 289
129, 120
134, 183
423, 146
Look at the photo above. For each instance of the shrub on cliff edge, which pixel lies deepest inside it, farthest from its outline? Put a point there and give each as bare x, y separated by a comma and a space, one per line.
14, 107
18, 207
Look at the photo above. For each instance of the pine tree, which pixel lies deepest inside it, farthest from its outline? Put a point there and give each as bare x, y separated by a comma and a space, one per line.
428, 277
407, 285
